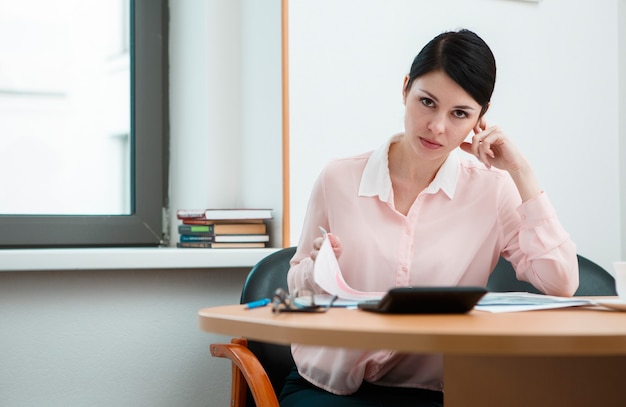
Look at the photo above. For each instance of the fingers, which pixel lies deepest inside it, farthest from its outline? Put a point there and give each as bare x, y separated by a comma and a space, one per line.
483, 143
317, 244
335, 243
334, 240
481, 125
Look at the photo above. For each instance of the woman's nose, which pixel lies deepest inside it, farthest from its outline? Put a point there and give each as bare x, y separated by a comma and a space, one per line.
437, 124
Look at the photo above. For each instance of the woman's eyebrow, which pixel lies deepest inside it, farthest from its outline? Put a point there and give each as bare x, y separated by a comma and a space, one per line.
433, 97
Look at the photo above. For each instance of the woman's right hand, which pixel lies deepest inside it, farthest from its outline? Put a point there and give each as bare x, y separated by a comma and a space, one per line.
335, 243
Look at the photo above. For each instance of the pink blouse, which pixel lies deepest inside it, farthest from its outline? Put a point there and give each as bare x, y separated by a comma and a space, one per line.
453, 235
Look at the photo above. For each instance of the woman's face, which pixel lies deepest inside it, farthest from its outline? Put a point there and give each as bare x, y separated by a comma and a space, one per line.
439, 115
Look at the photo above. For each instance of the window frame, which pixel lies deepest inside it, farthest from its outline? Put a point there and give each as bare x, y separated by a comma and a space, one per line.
144, 226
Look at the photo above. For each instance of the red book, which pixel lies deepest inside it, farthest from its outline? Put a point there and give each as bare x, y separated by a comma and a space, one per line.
190, 213
224, 214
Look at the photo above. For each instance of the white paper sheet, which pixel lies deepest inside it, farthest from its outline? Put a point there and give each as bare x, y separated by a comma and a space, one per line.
327, 275
522, 301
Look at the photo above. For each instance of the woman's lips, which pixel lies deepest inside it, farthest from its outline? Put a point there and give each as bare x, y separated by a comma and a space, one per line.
431, 145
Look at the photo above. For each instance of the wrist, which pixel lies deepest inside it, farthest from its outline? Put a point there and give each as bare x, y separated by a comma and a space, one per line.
526, 182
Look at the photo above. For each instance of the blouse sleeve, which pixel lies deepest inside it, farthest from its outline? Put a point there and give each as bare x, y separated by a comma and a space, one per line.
540, 249
301, 271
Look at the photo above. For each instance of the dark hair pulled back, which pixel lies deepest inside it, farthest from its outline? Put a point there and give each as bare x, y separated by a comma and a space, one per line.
465, 58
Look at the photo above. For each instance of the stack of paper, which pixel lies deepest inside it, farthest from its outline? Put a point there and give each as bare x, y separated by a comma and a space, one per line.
521, 301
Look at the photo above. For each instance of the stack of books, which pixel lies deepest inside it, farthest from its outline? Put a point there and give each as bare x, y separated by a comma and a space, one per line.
223, 228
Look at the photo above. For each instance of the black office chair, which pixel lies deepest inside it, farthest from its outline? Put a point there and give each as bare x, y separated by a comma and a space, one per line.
593, 279
259, 368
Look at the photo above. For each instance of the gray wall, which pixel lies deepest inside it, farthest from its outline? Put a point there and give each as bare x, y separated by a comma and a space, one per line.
112, 338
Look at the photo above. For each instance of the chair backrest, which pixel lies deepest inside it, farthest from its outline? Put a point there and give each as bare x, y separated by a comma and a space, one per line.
594, 280
265, 277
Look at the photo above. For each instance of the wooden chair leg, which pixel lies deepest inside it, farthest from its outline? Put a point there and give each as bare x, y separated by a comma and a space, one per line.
239, 386
247, 372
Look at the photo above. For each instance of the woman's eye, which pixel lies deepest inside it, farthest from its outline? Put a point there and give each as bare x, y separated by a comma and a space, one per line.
460, 114
427, 102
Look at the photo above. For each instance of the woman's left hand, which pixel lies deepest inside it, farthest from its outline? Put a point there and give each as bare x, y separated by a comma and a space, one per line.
493, 148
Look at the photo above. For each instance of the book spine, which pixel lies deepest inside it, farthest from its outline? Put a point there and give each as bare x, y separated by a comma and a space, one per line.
242, 245
197, 238
240, 229
190, 213
201, 245
194, 229
241, 238
196, 221
234, 214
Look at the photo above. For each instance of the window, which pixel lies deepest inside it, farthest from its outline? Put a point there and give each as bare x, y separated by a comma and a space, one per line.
117, 196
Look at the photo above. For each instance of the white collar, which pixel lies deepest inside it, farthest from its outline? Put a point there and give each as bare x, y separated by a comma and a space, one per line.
377, 181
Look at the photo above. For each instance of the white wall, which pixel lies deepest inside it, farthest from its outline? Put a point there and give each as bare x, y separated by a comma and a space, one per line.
556, 93
261, 95
225, 110
122, 338
622, 122
205, 107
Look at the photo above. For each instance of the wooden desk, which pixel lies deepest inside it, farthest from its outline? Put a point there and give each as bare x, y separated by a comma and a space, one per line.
569, 357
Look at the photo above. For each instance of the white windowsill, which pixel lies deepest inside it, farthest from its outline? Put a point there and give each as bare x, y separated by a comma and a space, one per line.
128, 258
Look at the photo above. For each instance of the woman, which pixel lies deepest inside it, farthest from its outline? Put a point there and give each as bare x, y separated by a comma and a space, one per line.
415, 212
